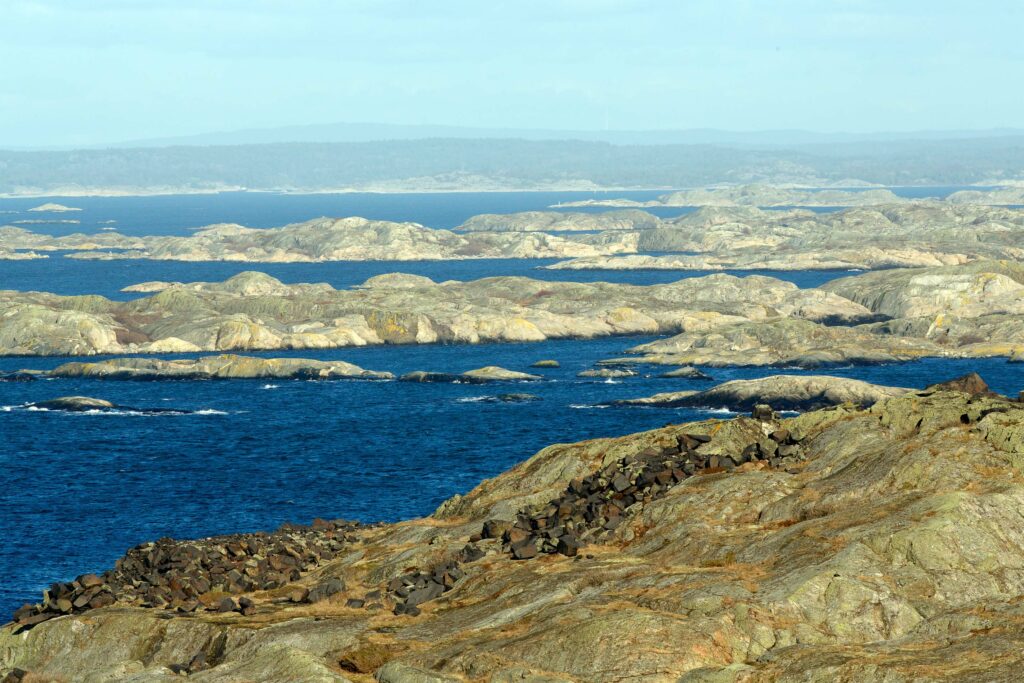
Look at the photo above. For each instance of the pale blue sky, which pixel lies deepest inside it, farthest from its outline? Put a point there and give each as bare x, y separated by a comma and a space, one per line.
96, 71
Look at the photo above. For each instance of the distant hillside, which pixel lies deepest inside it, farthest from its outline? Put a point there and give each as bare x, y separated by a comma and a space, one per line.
371, 132
453, 164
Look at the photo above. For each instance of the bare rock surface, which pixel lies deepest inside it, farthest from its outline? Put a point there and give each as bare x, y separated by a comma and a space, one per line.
608, 373
782, 392
490, 373
685, 372
559, 221
967, 291
52, 207
224, 366
323, 239
255, 311
912, 234
74, 404
877, 544
785, 342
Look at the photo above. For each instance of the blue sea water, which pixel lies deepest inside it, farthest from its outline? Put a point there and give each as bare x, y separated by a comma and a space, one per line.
77, 490
107, 278
180, 214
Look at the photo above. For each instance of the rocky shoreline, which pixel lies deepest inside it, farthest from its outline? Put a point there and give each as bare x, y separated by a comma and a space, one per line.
731, 546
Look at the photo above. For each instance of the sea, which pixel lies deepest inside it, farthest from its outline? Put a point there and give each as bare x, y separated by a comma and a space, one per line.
78, 490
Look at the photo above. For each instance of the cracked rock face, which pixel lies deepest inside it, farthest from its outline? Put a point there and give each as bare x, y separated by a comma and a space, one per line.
889, 550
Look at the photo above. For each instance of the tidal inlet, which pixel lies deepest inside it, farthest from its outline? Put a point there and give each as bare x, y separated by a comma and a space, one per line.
534, 343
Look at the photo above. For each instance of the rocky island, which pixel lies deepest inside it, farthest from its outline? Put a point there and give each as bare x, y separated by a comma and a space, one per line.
758, 195
559, 221
905, 234
782, 195
908, 235
324, 239
255, 311
53, 207
783, 392
847, 543
964, 311
224, 366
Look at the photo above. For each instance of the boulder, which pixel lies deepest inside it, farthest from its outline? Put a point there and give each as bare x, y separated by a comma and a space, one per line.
782, 392
74, 404
224, 366
686, 372
608, 373
491, 373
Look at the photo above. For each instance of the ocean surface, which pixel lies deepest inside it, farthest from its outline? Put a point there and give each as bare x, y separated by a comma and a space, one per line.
180, 214
77, 490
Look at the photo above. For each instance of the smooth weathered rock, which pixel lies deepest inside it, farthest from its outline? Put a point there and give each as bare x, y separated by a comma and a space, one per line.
903, 235
965, 291
608, 373
53, 207
560, 221
225, 366
686, 372
779, 342
518, 398
546, 364
324, 239
490, 373
74, 404
782, 392
493, 373
255, 311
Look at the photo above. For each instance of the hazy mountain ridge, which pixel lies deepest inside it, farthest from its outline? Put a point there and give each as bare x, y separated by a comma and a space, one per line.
490, 164
371, 132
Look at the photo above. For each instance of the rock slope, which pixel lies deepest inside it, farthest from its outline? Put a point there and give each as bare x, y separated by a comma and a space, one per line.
879, 544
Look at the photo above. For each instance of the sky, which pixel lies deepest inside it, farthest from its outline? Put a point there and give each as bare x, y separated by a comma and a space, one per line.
92, 72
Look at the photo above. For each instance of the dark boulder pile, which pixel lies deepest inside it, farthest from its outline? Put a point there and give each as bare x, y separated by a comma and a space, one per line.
415, 588
594, 506
202, 574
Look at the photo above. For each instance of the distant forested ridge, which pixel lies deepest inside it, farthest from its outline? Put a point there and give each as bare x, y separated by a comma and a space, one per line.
436, 164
